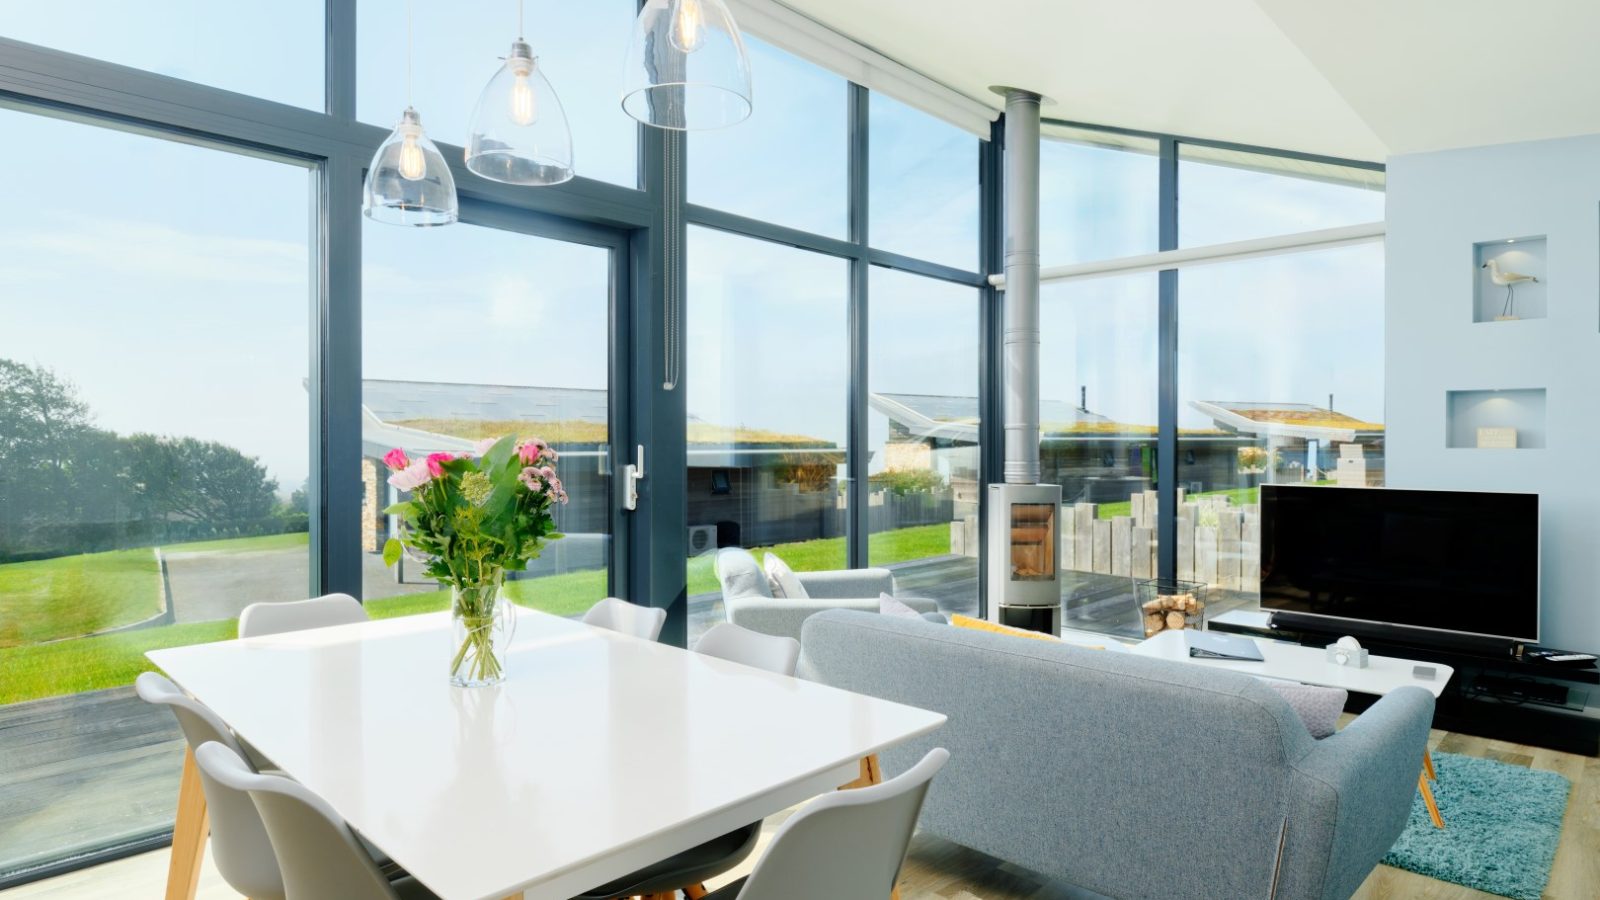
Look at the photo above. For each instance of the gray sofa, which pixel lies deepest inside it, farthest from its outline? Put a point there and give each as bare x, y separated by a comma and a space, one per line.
747, 595
1130, 776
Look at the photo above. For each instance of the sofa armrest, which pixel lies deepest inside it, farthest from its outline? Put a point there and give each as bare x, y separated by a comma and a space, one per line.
848, 583
1357, 788
783, 616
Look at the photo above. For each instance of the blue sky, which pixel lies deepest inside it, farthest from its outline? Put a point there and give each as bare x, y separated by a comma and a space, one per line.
171, 282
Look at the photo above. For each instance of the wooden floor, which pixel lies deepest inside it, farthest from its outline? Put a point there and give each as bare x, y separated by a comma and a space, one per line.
939, 869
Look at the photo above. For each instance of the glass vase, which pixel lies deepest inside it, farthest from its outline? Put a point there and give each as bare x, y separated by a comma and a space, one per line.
482, 622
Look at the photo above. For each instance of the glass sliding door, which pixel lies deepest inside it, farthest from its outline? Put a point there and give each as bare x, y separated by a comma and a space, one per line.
155, 320
922, 430
767, 344
474, 332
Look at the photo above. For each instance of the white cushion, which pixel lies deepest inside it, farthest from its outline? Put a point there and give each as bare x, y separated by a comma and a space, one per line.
783, 580
889, 606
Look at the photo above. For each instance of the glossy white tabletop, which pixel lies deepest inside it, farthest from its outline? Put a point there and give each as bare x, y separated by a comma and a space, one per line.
600, 753
1307, 665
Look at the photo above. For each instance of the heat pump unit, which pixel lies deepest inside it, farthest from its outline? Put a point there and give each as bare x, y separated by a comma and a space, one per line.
702, 539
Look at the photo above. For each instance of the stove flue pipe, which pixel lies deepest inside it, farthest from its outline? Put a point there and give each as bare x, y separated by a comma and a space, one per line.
1022, 287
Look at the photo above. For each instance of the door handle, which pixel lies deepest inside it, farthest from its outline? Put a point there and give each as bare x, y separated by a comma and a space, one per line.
632, 474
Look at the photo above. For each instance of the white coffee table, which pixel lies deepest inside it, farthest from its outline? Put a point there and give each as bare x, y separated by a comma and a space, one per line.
1309, 665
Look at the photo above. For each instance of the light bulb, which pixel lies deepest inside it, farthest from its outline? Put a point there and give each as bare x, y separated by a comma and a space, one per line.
524, 106
688, 26
413, 165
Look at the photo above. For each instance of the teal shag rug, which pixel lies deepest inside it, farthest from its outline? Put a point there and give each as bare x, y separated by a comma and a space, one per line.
1501, 826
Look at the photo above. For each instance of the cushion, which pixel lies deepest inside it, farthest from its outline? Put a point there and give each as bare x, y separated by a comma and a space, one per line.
889, 606
1317, 707
986, 625
741, 575
782, 579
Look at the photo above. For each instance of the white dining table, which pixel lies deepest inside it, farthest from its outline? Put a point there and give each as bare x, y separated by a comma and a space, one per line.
599, 754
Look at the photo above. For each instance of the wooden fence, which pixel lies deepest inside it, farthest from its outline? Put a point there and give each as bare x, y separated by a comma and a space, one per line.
1218, 543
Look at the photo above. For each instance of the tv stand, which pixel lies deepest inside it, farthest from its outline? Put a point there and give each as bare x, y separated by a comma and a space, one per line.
1492, 694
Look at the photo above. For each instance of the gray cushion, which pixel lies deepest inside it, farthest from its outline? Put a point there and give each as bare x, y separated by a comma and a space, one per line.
1317, 707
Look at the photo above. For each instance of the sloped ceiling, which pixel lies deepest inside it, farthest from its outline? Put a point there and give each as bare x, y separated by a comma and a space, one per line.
1360, 79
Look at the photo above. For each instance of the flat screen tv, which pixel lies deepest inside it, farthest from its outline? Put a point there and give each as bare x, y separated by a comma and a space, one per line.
1449, 561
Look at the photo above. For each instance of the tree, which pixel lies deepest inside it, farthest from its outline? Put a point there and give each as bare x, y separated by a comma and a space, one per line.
42, 425
185, 478
300, 498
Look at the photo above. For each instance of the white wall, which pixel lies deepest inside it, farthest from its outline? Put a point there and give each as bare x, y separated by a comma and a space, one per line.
1439, 205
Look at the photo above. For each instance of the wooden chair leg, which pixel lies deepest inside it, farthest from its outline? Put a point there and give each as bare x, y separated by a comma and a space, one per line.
188, 833
694, 891
871, 773
1427, 765
1427, 798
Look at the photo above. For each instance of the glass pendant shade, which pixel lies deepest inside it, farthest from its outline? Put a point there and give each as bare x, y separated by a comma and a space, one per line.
519, 130
408, 182
686, 68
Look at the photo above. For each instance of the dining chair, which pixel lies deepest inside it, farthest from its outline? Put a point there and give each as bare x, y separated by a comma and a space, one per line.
319, 856
848, 845
689, 870
297, 615
239, 844
733, 642
621, 616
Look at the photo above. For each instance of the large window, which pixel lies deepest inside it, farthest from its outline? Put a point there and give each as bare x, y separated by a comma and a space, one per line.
787, 163
1097, 196
154, 454
1280, 381
457, 48
528, 323
768, 375
1229, 195
270, 50
924, 482
1098, 439
922, 184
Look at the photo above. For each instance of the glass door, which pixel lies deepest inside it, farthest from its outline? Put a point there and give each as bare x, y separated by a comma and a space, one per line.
501, 325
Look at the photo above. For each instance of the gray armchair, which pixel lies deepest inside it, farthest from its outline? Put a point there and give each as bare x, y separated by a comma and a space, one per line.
747, 595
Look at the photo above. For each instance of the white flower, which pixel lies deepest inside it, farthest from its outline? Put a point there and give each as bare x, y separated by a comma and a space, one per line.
483, 447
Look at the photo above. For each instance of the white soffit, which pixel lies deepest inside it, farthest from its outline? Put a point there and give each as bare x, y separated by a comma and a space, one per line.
1439, 74
1219, 69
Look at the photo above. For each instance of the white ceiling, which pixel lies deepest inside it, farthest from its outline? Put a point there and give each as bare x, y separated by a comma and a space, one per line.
1361, 79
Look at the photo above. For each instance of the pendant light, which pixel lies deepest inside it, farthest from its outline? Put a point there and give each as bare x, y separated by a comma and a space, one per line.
408, 181
686, 67
519, 131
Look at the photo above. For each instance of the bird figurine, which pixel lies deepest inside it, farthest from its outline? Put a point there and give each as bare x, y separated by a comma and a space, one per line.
1509, 281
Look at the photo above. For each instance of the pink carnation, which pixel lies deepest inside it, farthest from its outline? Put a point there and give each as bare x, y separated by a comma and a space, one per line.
413, 476
396, 459
436, 462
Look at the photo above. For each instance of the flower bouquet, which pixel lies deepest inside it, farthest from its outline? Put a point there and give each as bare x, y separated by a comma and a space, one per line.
472, 518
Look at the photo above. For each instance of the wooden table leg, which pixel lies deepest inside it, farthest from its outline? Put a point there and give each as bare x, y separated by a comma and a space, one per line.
694, 891
188, 833
871, 773
1427, 798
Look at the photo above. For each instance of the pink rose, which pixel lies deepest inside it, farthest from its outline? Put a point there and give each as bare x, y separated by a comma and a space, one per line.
436, 462
396, 459
412, 476
528, 451
484, 446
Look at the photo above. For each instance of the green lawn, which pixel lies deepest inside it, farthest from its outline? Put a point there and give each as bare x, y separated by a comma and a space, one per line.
71, 596
32, 671
242, 545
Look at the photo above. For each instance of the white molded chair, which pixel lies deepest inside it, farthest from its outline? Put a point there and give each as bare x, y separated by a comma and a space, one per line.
621, 616
319, 856
728, 641
239, 844
848, 845
298, 615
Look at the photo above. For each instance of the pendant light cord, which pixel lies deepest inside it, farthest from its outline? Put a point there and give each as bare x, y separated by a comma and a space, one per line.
408, 53
520, 32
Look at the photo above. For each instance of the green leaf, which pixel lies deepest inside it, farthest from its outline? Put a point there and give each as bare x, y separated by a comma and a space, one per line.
404, 508
500, 453
392, 551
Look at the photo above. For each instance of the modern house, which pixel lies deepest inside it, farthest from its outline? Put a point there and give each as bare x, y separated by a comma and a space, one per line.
754, 449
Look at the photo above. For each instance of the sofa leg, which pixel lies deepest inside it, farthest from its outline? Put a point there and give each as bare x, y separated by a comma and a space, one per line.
1427, 765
